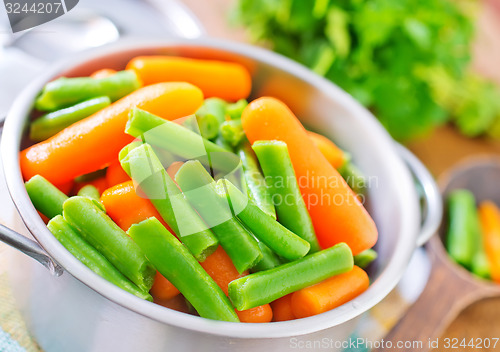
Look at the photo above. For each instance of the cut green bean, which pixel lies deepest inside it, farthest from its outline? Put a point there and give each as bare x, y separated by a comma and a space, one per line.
110, 240
365, 258
290, 207
235, 110
460, 240
144, 167
232, 132
269, 259
266, 286
277, 237
89, 191
174, 262
71, 239
253, 180
48, 125
46, 197
215, 107
64, 92
179, 140
480, 262
354, 177
200, 189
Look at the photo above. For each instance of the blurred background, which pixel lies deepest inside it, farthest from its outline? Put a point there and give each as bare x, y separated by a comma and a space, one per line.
428, 69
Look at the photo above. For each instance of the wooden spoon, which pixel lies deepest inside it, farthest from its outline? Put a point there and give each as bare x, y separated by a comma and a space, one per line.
450, 288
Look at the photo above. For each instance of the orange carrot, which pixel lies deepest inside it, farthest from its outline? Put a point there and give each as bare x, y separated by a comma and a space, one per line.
162, 288
259, 314
103, 73
330, 293
226, 80
489, 216
332, 153
336, 212
66, 187
100, 183
221, 269
177, 303
282, 308
95, 141
115, 174
126, 208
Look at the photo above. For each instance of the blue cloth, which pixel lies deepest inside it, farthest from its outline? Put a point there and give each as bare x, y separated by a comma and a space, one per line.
7, 344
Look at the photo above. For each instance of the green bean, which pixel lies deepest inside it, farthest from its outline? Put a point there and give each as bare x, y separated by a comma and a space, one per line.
110, 240
253, 180
174, 262
89, 191
269, 259
143, 166
205, 125
215, 107
235, 110
232, 132
460, 240
200, 189
480, 262
353, 176
463, 203
70, 238
365, 258
290, 207
48, 125
64, 92
46, 197
265, 286
277, 237
179, 140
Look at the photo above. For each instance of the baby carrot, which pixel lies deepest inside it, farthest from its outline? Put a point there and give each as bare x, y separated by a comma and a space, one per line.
226, 80
115, 174
282, 308
162, 288
489, 216
174, 261
221, 269
104, 72
126, 207
329, 294
336, 213
95, 141
259, 314
46, 198
290, 207
266, 286
332, 153
65, 92
100, 183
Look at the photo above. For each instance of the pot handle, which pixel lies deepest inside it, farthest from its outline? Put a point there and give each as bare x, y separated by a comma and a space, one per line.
26, 245
31, 248
431, 201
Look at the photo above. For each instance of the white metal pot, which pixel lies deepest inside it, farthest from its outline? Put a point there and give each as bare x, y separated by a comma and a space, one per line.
79, 311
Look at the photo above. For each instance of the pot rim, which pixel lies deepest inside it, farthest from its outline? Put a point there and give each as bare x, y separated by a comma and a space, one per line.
385, 282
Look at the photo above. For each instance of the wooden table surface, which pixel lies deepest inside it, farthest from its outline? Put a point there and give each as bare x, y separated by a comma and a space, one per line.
439, 151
